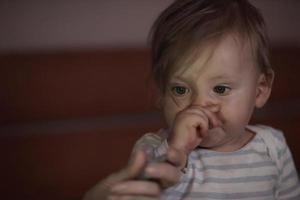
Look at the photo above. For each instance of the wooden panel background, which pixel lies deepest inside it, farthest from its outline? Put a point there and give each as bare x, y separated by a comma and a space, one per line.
70, 118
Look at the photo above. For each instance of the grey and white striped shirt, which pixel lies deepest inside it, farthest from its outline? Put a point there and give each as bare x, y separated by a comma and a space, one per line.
261, 170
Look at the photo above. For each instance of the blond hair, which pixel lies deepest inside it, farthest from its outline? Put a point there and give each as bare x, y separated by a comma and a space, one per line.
187, 24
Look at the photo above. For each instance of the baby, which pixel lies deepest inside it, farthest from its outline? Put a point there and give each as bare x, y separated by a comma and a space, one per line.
210, 62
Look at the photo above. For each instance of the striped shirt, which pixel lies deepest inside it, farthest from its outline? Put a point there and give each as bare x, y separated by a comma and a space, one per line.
261, 170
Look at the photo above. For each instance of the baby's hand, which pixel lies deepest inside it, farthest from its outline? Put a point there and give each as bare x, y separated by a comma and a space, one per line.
190, 127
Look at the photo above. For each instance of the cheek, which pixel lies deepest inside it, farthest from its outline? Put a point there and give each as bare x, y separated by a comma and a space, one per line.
170, 110
238, 112
169, 114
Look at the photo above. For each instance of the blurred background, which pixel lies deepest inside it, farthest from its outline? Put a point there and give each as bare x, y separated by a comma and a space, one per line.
75, 91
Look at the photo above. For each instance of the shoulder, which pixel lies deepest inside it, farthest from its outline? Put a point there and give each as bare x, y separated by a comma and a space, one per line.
269, 133
273, 138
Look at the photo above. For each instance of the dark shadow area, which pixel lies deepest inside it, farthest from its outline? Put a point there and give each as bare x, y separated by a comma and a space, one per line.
70, 118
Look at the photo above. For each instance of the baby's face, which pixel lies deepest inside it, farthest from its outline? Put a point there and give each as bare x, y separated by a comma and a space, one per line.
227, 82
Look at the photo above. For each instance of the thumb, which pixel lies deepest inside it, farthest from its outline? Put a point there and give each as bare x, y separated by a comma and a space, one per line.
136, 164
102, 189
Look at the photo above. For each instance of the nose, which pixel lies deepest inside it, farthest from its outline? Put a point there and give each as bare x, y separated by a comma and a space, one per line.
206, 101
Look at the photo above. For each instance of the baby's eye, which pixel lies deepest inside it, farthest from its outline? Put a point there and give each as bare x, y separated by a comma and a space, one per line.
180, 90
221, 89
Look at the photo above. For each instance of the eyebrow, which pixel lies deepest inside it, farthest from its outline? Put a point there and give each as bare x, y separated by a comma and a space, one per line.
221, 77
224, 76
178, 78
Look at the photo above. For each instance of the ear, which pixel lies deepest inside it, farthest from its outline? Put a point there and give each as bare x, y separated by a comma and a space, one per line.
264, 88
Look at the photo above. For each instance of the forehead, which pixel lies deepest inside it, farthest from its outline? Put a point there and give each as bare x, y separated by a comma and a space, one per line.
228, 57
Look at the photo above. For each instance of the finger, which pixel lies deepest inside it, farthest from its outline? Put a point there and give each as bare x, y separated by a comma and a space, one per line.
214, 121
197, 118
102, 189
147, 188
165, 173
188, 132
190, 127
136, 164
177, 157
